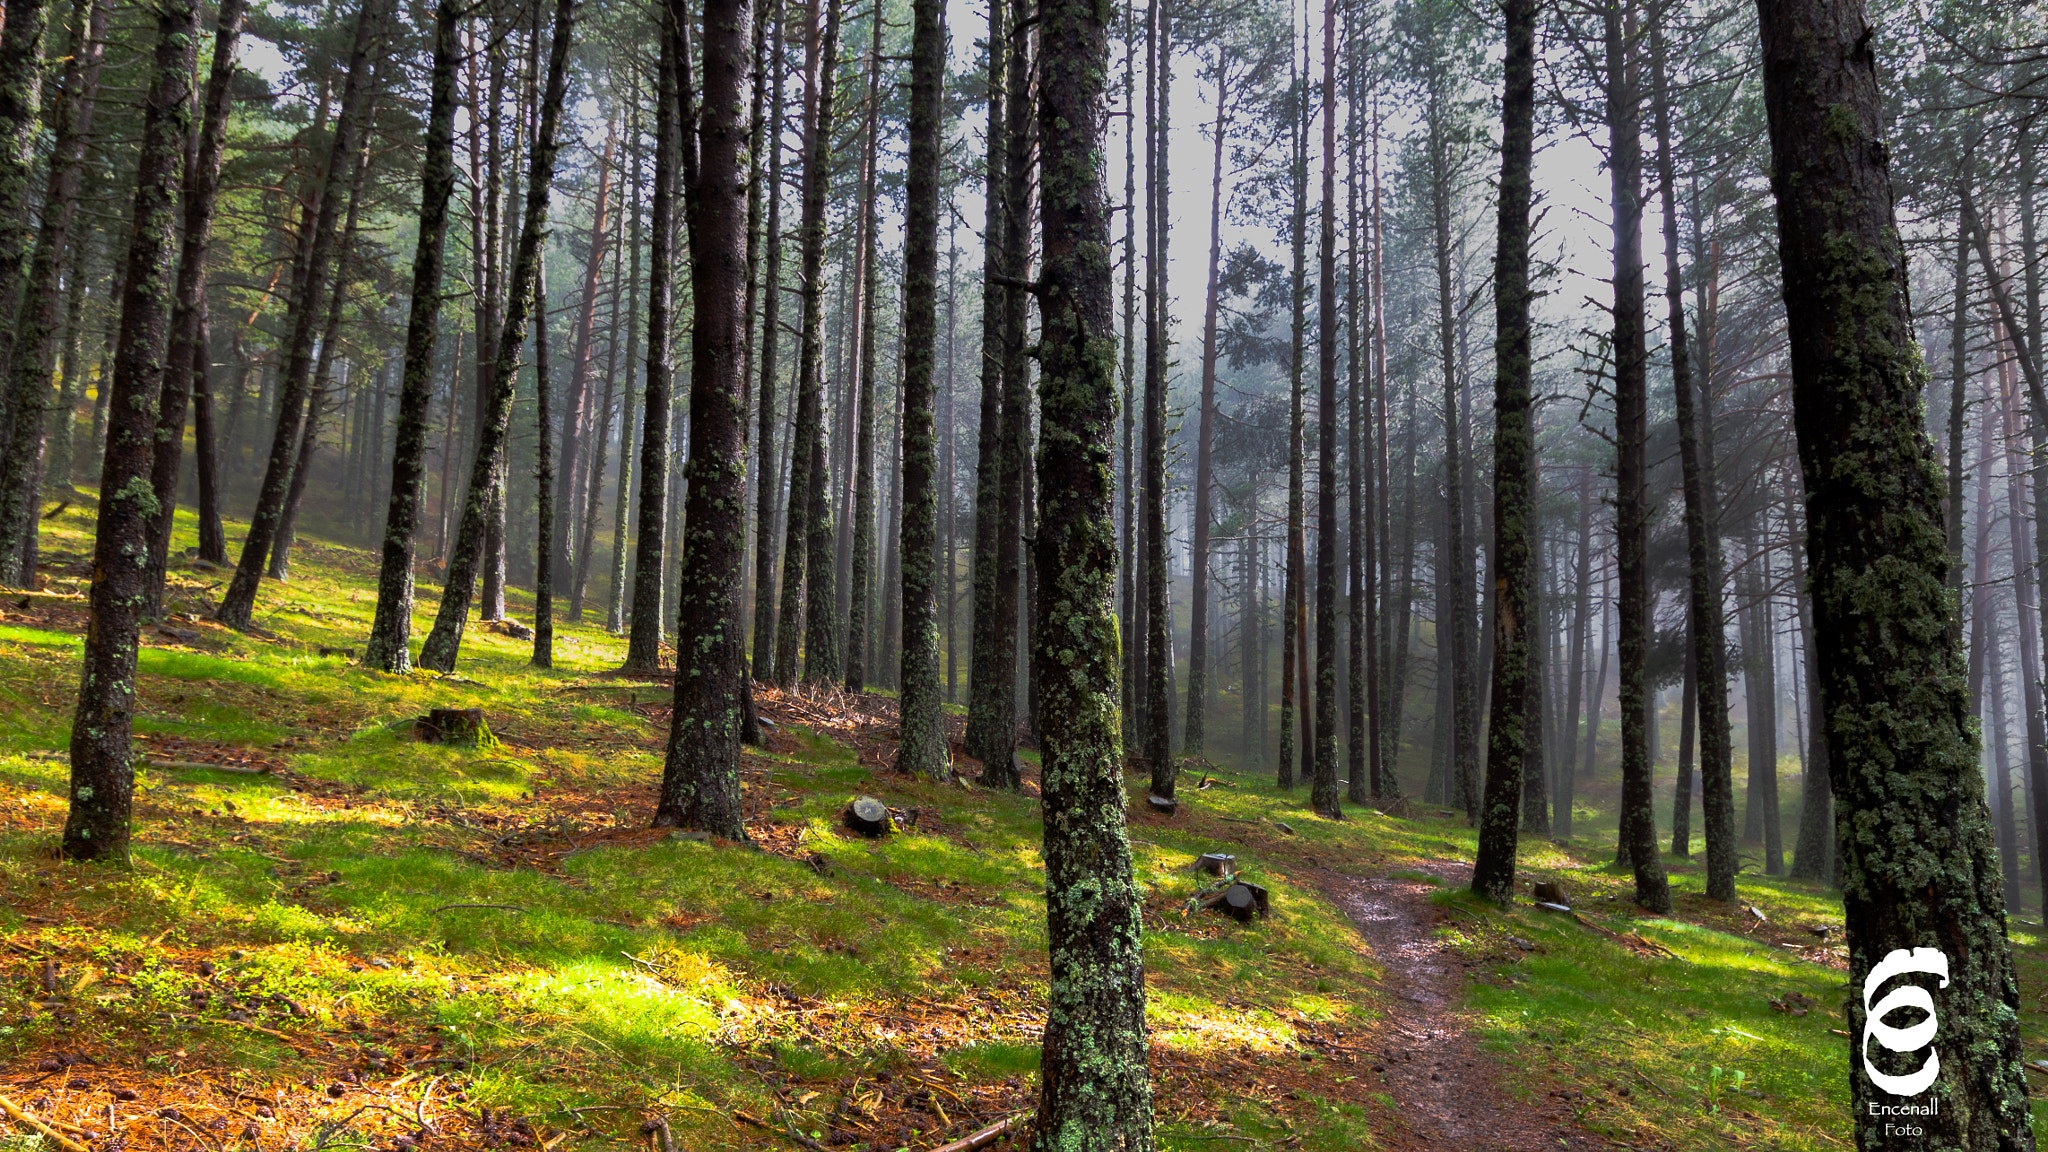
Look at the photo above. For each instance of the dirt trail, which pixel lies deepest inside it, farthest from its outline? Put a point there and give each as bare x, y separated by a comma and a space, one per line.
1448, 1091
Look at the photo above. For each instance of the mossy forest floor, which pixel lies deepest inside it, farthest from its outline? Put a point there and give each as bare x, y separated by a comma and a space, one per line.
362, 941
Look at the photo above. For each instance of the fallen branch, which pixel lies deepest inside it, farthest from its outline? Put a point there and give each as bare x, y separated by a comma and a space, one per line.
502, 907
765, 1126
988, 1135
55, 1137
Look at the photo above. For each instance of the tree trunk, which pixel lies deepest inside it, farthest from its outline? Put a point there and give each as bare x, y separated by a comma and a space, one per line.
1704, 614
600, 446
1814, 854
102, 767
1902, 756
1158, 727
861, 569
170, 425
544, 486
1365, 764
1291, 605
921, 747
1323, 784
643, 639
1205, 437
767, 480
1631, 503
391, 630
239, 601
615, 606
981, 676
445, 641
1512, 749
576, 413
1760, 692
1095, 1094
801, 564
1581, 635
34, 351
21, 89
700, 783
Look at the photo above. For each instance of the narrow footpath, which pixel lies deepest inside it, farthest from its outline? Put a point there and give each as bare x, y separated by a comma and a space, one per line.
1447, 1090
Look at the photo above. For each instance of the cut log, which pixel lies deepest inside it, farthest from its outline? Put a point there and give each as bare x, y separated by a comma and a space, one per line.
463, 727
869, 817
1165, 805
1216, 864
1550, 893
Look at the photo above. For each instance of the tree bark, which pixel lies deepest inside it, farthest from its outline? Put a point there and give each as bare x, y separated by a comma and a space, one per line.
102, 766
921, 747
1512, 748
387, 648
982, 715
545, 489
21, 90
1158, 726
1323, 783
1902, 756
1095, 1094
34, 351
1205, 435
700, 784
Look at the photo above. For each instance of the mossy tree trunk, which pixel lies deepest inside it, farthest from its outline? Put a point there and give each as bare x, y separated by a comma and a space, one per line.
387, 648
921, 749
1095, 1093
34, 353
1512, 747
21, 91
1918, 863
700, 784
102, 765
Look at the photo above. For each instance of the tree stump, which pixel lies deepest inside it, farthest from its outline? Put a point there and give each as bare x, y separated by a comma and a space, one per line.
1241, 901
1549, 893
869, 817
1164, 805
1216, 864
464, 727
